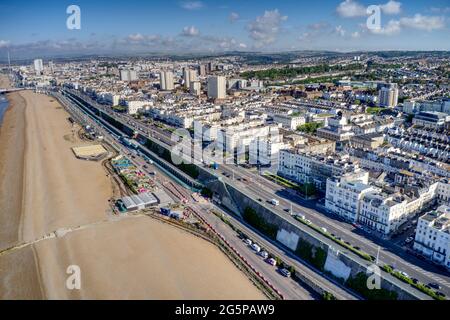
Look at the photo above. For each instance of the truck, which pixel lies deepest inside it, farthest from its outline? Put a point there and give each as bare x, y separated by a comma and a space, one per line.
274, 202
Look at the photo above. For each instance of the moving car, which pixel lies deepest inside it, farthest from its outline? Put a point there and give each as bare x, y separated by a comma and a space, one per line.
285, 272
435, 285
409, 240
274, 202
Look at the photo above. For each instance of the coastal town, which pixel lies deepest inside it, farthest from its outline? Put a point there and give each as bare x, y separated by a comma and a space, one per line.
297, 175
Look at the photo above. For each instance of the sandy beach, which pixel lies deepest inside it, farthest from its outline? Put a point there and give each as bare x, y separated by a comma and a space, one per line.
43, 187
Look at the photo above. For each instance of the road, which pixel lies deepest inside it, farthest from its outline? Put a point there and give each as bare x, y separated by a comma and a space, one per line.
270, 246
388, 253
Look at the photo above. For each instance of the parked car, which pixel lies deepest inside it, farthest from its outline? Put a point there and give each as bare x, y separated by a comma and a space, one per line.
272, 261
255, 247
409, 240
435, 285
415, 281
248, 242
264, 254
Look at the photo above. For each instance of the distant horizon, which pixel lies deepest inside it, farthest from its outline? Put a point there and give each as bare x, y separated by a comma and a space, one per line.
198, 55
54, 28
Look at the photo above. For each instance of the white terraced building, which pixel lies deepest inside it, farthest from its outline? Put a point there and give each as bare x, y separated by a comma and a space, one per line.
343, 196
312, 168
374, 208
433, 235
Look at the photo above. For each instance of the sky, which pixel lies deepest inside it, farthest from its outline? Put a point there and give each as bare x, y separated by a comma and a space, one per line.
39, 28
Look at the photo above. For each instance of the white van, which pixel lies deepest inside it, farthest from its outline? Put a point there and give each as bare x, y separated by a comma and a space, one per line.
275, 202
256, 247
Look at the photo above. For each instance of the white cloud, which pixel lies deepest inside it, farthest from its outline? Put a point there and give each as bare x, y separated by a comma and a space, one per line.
351, 9
264, 29
440, 10
339, 30
242, 45
418, 22
192, 5
234, 17
190, 31
136, 37
355, 35
421, 22
392, 27
391, 7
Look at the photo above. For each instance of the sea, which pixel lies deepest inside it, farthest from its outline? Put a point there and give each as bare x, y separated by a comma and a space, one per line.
3, 106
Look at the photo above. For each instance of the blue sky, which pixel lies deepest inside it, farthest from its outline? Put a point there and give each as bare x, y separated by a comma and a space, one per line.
31, 28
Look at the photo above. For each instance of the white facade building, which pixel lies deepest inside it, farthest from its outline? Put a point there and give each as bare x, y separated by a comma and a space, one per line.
135, 105
217, 87
433, 235
388, 96
128, 75
289, 121
38, 66
166, 80
189, 75
343, 196
195, 88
